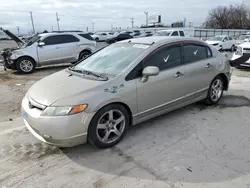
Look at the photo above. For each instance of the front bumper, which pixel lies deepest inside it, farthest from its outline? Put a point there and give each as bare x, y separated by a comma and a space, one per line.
62, 131
246, 64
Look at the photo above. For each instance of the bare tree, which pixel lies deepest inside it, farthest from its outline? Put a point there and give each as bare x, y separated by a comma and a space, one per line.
229, 17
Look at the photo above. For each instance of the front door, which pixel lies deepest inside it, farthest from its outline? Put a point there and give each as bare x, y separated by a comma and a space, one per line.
226, 43
50, 53
166, 89
199, 68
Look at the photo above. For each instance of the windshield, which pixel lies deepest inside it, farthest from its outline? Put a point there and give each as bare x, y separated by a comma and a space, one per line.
216, 38
162, 33
243, 37
33, 40
113, 59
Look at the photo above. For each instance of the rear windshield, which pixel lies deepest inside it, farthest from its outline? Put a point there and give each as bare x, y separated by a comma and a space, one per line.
113, 59
86, 36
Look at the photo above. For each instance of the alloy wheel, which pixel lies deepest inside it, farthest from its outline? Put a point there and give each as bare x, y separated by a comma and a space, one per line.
216, 90
26, 65
111, 126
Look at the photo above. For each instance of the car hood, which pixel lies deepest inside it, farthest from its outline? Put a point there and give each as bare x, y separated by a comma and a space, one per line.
212, 42
59, 86
13, 37
245, 45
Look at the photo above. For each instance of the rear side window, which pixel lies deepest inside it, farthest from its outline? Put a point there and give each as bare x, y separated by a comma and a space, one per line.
182, 33
60, 39
86, 36
194, 52
165, 58
175, 33
230, 38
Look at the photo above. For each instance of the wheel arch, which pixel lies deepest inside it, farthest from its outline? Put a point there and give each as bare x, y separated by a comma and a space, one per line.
26, 56
122, 104
85, 50
225, 80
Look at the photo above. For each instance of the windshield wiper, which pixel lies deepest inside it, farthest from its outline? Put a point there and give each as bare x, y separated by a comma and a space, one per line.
88, 73
95, 74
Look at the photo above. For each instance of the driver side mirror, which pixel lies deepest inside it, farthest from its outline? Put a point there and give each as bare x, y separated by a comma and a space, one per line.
246, 40
40, 44
149, 71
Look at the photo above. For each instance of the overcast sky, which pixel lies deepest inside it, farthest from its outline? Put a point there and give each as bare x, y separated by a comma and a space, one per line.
79, 14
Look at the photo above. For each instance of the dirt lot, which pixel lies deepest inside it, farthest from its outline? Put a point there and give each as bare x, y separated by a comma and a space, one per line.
196, 146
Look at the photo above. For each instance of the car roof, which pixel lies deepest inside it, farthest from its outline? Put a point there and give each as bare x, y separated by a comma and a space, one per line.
159, 39
61, 33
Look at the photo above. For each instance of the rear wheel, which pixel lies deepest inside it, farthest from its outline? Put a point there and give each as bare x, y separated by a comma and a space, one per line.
25, 65
83, 55
215, 91
108, 126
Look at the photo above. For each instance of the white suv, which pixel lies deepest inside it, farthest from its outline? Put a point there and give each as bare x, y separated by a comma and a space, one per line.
48, 49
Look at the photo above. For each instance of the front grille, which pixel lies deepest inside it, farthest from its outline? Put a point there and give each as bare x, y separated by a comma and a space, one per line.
34, 104
246, 48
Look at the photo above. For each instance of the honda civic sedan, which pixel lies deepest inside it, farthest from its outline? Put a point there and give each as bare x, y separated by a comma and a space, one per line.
124, 84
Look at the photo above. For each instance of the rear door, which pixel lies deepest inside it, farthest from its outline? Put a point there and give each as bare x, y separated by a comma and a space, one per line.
199, 68
69, 47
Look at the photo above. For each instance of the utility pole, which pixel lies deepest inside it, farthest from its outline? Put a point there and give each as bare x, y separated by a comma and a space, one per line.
57, 20
111, 27
132, 22
32, 21
146, 13
93, 26
87, 29
18, 30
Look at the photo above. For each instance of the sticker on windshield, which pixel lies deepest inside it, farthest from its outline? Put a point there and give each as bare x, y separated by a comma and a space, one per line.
141, 46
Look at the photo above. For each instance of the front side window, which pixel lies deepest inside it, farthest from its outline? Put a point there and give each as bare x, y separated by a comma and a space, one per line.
113, 59
194, 52
165, 58
175, 33
182, 33
60, 39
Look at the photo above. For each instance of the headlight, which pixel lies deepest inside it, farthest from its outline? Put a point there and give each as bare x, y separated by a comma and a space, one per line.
63, 111
216, 44
239, 51
17, 52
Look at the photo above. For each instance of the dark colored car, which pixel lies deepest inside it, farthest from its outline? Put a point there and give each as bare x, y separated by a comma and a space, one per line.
120, 37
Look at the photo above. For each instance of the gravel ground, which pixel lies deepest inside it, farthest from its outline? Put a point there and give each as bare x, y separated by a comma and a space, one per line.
196, 146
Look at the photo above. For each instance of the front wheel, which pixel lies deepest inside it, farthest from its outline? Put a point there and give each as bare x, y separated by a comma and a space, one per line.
233, 48
108, 126
215, 91
25, 65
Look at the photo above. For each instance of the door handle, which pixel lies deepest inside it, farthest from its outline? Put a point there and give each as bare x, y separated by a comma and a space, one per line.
208, 65
178, 74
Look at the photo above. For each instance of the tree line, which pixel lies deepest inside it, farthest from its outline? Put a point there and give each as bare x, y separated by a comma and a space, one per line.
229, 17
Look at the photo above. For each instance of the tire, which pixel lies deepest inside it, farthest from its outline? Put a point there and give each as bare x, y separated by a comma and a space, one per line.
25, 65
97, 39
233, 48
83, 55
104, 127
215, 91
